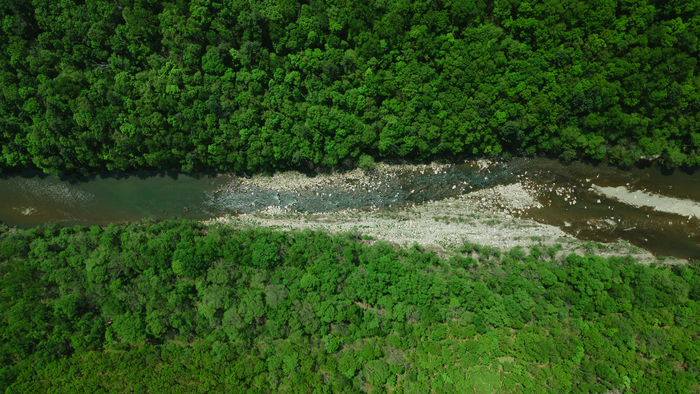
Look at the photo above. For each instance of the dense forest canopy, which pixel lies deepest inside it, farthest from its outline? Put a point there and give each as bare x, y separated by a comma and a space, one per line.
180, 307
239, 85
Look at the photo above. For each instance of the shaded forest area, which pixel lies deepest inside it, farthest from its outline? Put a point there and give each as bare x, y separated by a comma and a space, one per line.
180, 307
238, 85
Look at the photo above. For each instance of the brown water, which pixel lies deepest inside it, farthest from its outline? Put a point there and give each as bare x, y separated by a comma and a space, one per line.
662, 233
31, 198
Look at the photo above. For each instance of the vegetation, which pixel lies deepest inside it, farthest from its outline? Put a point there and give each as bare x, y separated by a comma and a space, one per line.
262, 86
179, 307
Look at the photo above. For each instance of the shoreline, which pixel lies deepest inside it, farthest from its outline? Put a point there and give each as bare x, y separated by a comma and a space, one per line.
488, 217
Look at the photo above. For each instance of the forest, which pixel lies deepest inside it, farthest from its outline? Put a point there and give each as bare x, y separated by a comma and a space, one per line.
250, 86
177, 306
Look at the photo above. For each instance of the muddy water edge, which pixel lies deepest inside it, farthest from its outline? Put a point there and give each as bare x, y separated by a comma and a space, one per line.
570, 201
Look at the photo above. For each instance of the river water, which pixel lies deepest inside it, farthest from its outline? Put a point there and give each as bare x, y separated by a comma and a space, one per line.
579, 198
32, 198
604, 219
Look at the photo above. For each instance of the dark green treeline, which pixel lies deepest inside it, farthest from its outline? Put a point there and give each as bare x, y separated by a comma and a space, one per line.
266, 85
179, 307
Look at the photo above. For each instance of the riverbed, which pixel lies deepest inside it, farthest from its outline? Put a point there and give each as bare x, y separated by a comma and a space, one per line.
526, 202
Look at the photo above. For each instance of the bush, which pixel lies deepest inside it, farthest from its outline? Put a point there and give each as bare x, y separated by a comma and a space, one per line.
517, 253
366, 162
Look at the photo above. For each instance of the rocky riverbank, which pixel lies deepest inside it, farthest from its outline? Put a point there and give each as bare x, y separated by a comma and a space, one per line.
493, 216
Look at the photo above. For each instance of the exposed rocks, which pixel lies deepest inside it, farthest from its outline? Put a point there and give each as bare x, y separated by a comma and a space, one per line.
489, 217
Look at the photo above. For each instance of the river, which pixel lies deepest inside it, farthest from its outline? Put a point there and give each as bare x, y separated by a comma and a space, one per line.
650, 207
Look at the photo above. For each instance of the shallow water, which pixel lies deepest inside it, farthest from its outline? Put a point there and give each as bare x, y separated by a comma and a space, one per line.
32, 198
662, 233
379, 191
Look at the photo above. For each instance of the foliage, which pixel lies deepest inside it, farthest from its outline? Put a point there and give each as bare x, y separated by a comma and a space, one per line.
263, 86
366, 162
109, 309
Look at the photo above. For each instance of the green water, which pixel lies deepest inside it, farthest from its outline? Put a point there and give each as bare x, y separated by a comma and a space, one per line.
32, 198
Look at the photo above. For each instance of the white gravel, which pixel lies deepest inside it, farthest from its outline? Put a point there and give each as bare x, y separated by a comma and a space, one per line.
342, 181
640, 198
487, 217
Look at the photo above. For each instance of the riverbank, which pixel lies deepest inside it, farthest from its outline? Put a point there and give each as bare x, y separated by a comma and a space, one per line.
495, 217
